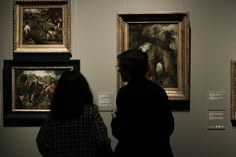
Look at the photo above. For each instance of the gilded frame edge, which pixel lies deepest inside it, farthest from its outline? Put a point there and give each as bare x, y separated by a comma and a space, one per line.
19, 47
182, 92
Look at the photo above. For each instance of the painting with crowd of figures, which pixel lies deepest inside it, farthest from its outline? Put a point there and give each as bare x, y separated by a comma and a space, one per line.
28, 88
42, 26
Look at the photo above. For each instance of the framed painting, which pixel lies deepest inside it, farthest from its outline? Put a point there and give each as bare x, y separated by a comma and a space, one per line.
233, 92
28, 89
42, 26
165, 38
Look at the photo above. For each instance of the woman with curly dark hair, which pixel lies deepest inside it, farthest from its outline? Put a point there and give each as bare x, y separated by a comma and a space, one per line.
75, 127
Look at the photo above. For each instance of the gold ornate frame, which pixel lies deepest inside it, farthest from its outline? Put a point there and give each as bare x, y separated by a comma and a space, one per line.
42, 26
131, 29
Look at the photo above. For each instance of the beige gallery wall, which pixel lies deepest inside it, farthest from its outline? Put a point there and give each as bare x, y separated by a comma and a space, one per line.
94, 43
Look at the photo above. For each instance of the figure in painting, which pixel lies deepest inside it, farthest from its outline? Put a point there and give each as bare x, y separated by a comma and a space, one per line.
50, 89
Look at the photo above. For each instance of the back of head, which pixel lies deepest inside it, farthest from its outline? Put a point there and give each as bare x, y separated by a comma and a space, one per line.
71, 94
134, 61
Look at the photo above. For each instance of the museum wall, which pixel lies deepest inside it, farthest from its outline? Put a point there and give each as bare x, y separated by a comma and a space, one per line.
212, 47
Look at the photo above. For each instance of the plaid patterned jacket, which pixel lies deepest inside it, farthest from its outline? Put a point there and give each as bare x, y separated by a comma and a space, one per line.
80, 137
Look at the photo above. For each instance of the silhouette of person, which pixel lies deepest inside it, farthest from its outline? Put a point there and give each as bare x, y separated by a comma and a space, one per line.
74, 127
143, 121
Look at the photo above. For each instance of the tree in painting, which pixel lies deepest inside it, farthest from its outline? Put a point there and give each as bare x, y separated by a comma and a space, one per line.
160, 42
42, 26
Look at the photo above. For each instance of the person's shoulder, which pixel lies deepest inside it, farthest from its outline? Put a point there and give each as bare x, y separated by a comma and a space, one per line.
91, 107
155, 86
50, 122
123, 88
91, 111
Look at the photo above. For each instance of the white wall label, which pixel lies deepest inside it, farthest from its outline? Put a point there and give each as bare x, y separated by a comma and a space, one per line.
105, 101
216, 120
216, 100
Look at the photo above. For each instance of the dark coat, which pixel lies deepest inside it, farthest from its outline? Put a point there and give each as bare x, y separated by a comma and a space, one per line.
144, 121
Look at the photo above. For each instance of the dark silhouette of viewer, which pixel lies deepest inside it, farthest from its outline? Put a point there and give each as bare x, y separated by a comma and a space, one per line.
143, 121
75, 127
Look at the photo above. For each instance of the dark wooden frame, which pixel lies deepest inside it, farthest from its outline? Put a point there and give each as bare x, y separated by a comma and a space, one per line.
233, 91
14, 116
